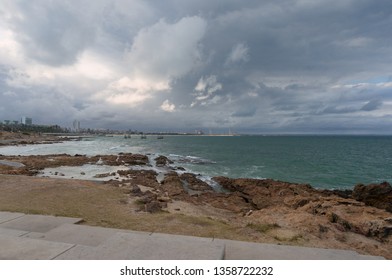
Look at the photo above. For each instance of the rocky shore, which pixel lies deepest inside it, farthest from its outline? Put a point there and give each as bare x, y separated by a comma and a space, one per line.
23, 138
257, 210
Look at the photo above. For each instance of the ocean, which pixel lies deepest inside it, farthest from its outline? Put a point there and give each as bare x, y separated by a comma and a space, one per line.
327, 162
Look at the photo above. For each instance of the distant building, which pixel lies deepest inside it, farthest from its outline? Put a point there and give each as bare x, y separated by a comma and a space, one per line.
76, 125
26, 121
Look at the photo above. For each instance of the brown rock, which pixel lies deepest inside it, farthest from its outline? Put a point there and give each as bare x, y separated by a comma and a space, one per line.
121, 159
102, 175
172, 185
163, 199
133, 159
194, 183
343, 225
148, 197
266, 193
162, 161
135, 190
232, 201
141, 177
376, 195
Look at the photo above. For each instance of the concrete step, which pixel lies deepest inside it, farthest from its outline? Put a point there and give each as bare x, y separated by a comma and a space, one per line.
47, 237
79, 234
34, 223
238, 250
9, 216
131, 246
89, 237
12, 232
19, 248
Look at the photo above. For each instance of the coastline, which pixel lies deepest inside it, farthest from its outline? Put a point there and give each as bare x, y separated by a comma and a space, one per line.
139, 198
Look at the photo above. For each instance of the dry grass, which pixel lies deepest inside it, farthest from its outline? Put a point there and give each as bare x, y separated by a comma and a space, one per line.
263, 228
101, 205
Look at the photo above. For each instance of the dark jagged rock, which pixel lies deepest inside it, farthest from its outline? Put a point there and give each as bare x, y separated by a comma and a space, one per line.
194, 183
376, 195
121, 159
162, 161
134, 159
341, 193
136, 191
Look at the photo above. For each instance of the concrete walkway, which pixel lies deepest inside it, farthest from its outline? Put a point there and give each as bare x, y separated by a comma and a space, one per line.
31, 237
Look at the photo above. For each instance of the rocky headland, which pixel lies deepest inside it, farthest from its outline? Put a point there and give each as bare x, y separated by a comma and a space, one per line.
255, 210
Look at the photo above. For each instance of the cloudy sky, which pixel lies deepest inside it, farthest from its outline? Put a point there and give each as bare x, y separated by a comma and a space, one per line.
252, 66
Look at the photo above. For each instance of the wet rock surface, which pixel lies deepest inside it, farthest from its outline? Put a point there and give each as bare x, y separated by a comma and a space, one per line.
194, 183
162, 161
34, 163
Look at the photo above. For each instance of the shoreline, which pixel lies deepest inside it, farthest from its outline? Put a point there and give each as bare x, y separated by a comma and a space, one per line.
178, 202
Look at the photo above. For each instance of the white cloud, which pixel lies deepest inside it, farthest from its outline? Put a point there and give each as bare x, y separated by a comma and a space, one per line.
205, 89
124, 92
208, 85
165, 51
94, 66
167, 106
10, 53
239, 52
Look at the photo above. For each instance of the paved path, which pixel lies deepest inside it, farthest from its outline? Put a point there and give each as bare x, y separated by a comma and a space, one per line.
30, 237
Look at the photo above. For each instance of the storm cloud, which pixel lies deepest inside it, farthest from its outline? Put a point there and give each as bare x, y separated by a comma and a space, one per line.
250, 66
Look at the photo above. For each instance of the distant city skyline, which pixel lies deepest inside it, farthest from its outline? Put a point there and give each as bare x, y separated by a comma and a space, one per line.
284, 66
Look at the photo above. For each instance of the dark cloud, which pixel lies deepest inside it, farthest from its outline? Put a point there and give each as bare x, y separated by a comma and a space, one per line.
249, 111
372, 105
339, 110
54, 33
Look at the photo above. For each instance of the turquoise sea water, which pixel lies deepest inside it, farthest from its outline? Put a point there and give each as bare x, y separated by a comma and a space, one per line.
322, 161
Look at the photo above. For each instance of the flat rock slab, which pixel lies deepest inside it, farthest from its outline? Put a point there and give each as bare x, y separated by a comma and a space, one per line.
131, 246
18, 248
237, 250
8, 216
38, 223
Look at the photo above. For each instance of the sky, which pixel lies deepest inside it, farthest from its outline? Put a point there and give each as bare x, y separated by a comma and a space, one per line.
249, 66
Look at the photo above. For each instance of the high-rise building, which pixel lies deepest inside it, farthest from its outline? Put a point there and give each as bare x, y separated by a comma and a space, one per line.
76, 125
26, 121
